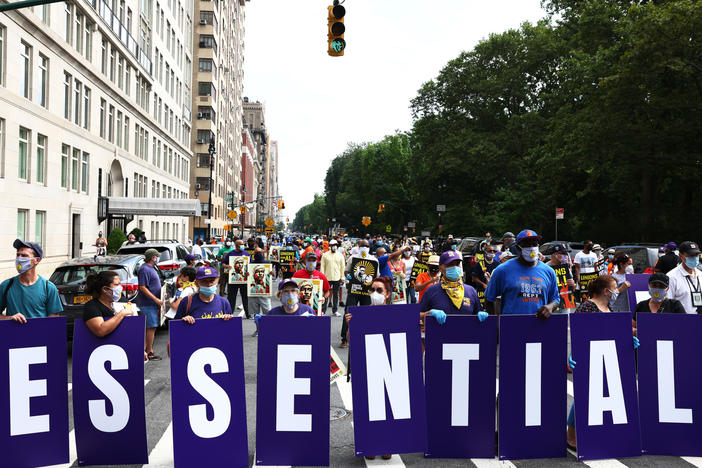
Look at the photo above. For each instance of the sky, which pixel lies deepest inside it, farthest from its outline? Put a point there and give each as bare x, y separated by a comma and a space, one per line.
315, 105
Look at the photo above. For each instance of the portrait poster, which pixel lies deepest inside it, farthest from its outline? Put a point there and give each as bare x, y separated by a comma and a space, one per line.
274, 253
237, 274
363, 270
311, 293
399, 289
259, 281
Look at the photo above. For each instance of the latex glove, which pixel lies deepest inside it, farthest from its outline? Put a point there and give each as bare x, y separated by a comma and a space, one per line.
482, 316
257, 317
637, 343
571, 363
348, 276
439, 315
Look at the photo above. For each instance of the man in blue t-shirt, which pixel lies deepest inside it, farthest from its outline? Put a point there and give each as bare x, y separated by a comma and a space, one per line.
28, 295
149, 299
526, 285
384, 259
206, 303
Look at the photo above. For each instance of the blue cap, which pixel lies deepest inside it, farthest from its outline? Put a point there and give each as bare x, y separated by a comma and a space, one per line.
20, 244
527, 234
450, 256
286, 282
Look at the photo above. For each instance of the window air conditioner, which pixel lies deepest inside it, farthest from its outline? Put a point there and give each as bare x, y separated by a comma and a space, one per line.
198, 186
202, 21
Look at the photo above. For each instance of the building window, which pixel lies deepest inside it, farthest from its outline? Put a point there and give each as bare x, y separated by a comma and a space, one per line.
75, 161
208, 42
103, 51
203, 137
111, 124
205, 88
205, 113
64, 165
43, 13
207, 17
79, 32
126, 133
119, 128
22, 218
77, 101
206, 65
86, 108
23, 153
203, 160
43, 85
69, 23
112, 63
103, 104
127, 79
120, 69
39, 227
41, 159
2, 147
84, 172
26, 64
87, 26
3, 53
67, 96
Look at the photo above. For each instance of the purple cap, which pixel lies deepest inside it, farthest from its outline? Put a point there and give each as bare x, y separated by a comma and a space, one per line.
206, 272
286, 282
450, 256
190, 257
671, 246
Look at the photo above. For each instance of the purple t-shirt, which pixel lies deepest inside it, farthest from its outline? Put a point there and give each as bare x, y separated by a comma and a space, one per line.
199, 309
149, 278
436, 298
301, 309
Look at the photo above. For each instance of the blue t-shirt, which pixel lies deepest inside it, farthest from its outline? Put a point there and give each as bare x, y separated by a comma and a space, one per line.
149, 278
301, 309
436, 298
200, 309
523, 289
36, 301
383, 267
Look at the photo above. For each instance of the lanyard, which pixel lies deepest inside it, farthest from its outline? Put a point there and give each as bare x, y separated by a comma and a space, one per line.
693, 288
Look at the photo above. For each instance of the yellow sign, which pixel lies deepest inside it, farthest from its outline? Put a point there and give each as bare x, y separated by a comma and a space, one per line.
366, 221
269, 230
269, 222
243, 209
231, 214
388, 228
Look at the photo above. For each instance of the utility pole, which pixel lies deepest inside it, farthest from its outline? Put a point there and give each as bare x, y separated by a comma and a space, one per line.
212, 152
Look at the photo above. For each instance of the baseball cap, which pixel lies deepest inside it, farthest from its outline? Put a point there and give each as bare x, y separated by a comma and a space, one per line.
507, 234
433, 260
689, 248
190, 257
659, 278
597, 247
286, 282
310, 255
19, 244
609, 251
671, 245
449, 256
527, 234
307, 239
333, 242
560, 248
151, 253
206, 272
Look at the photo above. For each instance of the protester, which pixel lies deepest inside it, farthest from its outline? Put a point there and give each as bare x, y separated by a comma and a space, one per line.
288, 268
658, 284
28, 295
426, 252
99, 313
408, 260
186, 287
482, 271
363, 298
149, 299
206, 303
584, 261
289, 296
310, 272
384, 260
197, 247
669, 260
509, 243
561, 267
101, 244
609, 261
525, 285
622, 262
428, 278
685, 284
259, 304
333, 265
236, 289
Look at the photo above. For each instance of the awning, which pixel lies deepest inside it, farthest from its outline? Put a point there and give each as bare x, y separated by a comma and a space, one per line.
119, 206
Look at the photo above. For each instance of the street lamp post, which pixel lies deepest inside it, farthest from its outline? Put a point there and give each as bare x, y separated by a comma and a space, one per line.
212, 152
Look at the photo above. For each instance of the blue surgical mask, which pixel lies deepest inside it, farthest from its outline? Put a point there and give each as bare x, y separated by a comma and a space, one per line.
453, 247
23, 264
489, 256
657, 294
692, 262
208, 290
615, 295
453, 273
240, 247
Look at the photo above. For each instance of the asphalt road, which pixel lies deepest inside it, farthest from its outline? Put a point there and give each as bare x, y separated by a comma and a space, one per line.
159, 430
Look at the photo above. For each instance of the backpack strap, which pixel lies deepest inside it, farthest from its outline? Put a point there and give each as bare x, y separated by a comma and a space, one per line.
7, 289
190, 301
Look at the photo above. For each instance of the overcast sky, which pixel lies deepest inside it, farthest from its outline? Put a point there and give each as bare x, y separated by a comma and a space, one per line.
315, 104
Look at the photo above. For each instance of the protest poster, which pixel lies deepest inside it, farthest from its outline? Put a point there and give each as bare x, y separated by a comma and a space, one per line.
287, 261
34, 406
238, 272
259, 280
399, 288
638, 291
585, 279
363, 270
108, 394
669, 371
274, 253
417, 269
460, 387
292, 399
606, 407
565, 292
208, 393
337, 368
311, 293
533, 386
388, 385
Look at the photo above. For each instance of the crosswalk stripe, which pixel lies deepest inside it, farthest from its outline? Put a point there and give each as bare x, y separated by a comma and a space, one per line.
491, 463
569, 385
696, 461
608, 463
162, 454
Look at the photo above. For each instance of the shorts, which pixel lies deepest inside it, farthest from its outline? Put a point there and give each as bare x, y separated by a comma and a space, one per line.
152, 315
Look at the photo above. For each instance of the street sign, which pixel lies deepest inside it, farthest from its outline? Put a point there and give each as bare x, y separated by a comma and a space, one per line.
231, 214
404, 228
411, 224
269, 223
426, 233
560, 213
366, 221
269, 230
228, 199
388, 228
244, 209
440, 207
208, 221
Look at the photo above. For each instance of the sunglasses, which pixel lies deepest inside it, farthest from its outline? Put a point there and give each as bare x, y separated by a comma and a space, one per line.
378, 290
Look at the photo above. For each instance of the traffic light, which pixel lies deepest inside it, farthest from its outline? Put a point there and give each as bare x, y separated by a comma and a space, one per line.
281, 204
335, 36
381, 208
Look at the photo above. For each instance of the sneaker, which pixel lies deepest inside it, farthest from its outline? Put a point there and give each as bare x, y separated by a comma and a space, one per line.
341, 303
343, 345
255, 334
154, 357
337, 314
241, 307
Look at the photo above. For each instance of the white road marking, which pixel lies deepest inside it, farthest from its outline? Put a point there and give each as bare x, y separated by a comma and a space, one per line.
696, 461
608, 463
491, 463
162, 454
570, 388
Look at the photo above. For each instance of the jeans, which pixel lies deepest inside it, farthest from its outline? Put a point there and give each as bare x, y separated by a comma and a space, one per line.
411, 295
234, 289
334, 297
352, 300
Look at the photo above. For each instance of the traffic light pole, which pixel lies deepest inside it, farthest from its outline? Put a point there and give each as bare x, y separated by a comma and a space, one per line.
25, 4
212, 152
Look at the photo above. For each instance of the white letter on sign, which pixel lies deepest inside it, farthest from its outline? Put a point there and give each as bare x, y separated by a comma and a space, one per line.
603, 358
382, 375
22, 389
532, 385
287, 386
460, 355
667, 412
97, 409
208, 388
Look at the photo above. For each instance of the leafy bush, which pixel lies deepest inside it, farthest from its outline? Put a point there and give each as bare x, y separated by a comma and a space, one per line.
115, 240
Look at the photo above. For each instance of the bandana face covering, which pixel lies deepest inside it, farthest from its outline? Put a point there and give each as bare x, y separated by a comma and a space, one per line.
454, 290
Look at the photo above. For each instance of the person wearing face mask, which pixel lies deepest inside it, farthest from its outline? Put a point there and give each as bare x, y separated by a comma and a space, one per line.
482, 271
685, 284
526, 285
206, 304
426, 252
311, 272
366, 269
99, 313
332, 267
509, 244
659, 302
235, 289
584, 265
561, 267
428, 278
408, 259
186, 288
289, 296
609, 261
28, 295
668, 260
623, 265
149, 298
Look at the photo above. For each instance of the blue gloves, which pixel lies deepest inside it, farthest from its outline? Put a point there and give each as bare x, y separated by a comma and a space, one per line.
348, 276
571, 363
257, 317
439, 315
482, 316
636, 343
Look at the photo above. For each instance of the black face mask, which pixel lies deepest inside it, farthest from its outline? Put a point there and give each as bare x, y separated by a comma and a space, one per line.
433, 271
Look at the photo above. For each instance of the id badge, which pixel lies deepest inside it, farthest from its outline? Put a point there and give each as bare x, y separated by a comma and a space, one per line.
697, 299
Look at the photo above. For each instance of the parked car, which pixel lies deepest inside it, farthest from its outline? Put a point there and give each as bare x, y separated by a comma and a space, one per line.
547, 248
70, 276
209, 252
469, 246
643, 256
172, 257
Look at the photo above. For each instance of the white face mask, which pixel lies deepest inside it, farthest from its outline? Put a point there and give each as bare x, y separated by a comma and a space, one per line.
333, 248
629, 269
364, 250
530, 254
377, 298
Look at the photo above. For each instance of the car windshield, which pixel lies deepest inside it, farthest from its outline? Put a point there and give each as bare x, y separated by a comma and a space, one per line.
75, 274
141, 249
547, 249
639, 257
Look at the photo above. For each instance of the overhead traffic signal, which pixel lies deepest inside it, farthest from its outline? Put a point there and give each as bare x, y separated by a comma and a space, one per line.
335, 36
281, 205
381, 208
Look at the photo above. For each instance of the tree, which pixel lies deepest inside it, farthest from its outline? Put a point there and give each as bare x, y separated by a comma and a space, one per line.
115, 240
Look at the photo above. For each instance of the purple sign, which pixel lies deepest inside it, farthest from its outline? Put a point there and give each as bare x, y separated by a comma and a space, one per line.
33, 363
108, 394
638, 291
460, 387
606, 408
388, 386
292, 399
670, 400
208, 393
533, 390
